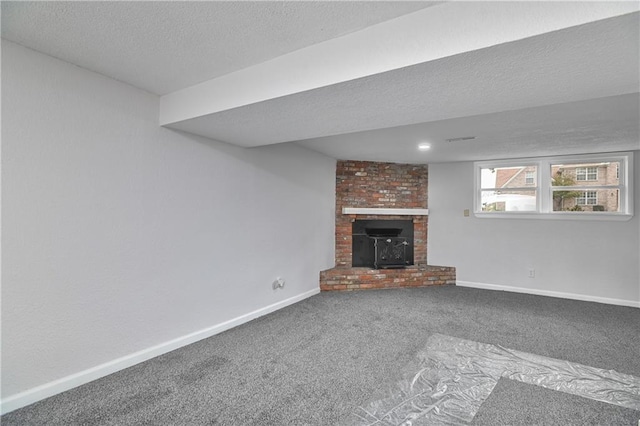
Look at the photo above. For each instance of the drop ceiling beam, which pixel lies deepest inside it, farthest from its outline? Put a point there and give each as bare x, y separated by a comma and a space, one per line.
427, 35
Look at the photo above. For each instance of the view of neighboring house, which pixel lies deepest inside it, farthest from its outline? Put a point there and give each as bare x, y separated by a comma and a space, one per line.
597, 184
577, 187
509, 189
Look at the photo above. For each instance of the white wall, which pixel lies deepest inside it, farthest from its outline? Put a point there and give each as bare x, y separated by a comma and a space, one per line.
119, 235
587, 260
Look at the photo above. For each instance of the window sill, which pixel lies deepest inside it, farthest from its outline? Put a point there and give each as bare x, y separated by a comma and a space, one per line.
618, 217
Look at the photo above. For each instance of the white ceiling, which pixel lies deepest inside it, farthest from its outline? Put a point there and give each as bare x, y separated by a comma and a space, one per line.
569, 90
163, 46
591, 126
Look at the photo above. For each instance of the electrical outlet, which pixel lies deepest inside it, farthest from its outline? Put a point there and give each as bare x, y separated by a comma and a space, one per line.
465, 213
278, 283
532, 273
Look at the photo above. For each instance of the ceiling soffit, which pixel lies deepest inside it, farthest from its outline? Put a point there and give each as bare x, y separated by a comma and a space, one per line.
569, 65
345, 85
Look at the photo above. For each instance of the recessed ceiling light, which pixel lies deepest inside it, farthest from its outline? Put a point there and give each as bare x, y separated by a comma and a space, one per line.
424, 147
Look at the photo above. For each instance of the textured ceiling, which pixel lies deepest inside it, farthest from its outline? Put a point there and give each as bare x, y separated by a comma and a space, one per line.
565, 91
591, 126
562, 66
165, 46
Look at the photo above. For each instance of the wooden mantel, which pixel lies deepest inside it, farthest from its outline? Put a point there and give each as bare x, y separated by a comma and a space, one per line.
382, 211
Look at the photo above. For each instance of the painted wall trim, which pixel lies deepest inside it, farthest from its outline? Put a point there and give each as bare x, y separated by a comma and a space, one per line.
55, 387
559, 294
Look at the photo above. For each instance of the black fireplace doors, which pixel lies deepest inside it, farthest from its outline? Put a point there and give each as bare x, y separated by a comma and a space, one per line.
382, 244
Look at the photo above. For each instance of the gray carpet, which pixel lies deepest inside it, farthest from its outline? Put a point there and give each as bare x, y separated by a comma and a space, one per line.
510, 403
315, 362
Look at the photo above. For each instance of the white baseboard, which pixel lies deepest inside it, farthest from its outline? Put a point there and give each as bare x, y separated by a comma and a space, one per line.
38, 393
562, 295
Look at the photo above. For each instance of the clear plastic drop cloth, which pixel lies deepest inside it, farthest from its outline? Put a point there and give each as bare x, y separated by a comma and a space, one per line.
452, 377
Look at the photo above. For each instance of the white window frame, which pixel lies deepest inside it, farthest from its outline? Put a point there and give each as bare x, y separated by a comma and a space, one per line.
544, 189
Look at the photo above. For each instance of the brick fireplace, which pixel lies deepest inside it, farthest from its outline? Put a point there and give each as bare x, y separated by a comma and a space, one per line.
371, 191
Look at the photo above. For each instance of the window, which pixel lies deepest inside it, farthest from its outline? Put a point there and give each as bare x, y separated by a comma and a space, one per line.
587, 197
586, 173
529, 178
568, 187
503, 189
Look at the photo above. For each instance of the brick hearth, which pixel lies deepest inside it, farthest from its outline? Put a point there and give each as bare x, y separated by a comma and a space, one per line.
364, 184
365, 278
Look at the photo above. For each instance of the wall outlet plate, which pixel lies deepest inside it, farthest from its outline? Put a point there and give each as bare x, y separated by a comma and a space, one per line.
278, 283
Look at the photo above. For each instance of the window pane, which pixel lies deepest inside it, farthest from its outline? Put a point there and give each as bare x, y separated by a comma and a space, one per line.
596, 174
601, 200
508, 201
529, 178
507, 177
534, 187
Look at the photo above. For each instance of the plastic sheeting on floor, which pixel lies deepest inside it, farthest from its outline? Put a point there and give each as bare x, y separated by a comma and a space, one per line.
453, 377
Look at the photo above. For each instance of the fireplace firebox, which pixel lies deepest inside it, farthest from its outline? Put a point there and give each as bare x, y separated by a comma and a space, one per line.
382, 244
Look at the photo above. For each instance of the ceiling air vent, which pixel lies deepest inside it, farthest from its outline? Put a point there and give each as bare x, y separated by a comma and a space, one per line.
464, 138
